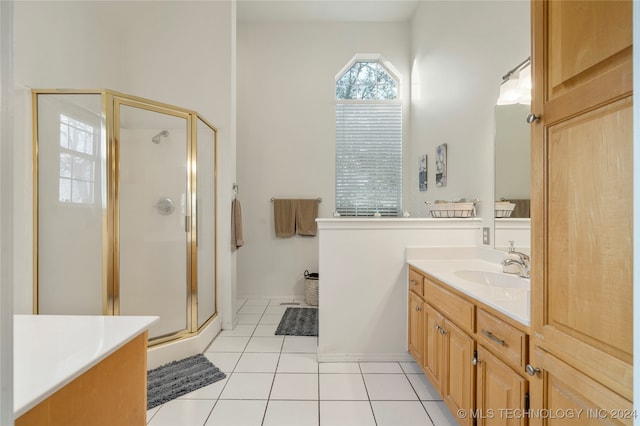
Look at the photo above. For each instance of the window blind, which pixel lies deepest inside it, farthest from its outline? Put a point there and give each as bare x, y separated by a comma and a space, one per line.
368, 159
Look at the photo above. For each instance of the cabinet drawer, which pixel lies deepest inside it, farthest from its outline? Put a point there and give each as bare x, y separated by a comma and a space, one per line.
507, 341
416, 283
452, 306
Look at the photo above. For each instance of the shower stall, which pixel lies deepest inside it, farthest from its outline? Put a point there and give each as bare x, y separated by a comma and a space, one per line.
125, 210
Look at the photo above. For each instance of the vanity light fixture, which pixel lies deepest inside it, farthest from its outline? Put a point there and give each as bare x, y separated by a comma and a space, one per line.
516, 85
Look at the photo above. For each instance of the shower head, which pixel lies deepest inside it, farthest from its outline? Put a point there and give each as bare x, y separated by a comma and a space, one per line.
156, 138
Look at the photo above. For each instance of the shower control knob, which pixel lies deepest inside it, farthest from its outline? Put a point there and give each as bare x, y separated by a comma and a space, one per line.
531, 117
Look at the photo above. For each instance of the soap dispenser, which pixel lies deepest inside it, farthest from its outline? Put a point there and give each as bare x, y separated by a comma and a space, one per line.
511, 254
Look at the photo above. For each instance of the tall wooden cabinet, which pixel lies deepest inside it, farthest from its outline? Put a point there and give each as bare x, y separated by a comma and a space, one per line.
582, 216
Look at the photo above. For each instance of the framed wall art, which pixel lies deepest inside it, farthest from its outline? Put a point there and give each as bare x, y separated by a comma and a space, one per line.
441, 165
422, 173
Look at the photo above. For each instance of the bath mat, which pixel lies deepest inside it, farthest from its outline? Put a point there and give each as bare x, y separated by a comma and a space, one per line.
177, 378
299, 322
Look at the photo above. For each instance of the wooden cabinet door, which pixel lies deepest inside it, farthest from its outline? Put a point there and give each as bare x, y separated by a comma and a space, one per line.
416, 328
459, 378
501, 392
582, 173
571, 398
433, 357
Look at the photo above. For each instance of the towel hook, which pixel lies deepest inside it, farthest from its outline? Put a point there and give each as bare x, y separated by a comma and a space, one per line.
235, 188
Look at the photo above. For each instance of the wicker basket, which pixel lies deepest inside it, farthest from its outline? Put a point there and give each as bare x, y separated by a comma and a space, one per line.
504, 209
311, 288
441, 210
311, 292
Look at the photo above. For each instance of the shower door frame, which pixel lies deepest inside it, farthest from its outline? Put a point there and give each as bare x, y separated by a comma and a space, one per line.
110, 101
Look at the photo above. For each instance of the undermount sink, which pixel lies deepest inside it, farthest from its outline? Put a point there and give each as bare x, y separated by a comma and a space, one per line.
493, 279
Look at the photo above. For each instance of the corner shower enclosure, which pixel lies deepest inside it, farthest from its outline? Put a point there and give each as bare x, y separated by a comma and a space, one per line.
125, 202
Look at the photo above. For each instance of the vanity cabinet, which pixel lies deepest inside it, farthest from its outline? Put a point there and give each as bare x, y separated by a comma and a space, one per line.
582, 210
474, 358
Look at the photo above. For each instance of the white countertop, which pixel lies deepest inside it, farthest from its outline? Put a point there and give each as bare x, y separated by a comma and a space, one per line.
52, 350
513, 302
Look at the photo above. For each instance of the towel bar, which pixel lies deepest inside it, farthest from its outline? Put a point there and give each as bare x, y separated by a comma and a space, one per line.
319, 199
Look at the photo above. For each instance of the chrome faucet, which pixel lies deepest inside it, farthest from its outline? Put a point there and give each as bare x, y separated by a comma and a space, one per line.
523, 266
524, 258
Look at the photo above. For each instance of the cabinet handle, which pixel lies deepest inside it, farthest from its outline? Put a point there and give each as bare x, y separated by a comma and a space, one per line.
492, 337
531, 117
531, 370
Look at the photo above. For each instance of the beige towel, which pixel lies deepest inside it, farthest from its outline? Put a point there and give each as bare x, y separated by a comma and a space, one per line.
284, 216
237, 240
306, 215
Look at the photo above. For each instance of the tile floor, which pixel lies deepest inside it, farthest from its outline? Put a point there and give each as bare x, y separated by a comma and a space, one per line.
277, 381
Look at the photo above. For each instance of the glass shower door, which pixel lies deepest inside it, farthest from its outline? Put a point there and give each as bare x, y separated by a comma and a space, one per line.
153, 215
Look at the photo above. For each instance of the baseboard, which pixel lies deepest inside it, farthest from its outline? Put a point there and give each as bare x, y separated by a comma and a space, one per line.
366, 357
173, 351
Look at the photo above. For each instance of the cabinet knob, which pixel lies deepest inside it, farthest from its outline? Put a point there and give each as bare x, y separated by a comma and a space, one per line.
475, 361
531, 117
437, 327
531, 370
443, 331
418, 308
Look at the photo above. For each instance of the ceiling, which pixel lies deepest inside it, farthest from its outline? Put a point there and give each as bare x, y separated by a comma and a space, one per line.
326, 10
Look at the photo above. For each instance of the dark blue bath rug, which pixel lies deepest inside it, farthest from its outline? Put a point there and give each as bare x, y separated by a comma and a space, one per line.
178, 378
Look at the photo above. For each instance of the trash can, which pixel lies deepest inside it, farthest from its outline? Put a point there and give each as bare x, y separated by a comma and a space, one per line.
311, 288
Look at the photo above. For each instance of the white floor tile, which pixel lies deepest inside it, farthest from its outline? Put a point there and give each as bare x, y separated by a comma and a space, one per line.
411, 368
265, 344
271, 319
152, 412
291, 413
423, 387
225, 361
252, 309
277, 309
389, 387
298, 363
211, 391
256, 302
237, 413
295, 387
257, 363
342, 387
248, 386
183, 412
346, 413
248, 318
228, 344
265, 330
300, 344
238, 303
339, 367
400, 413
380, 367
279, 300
241, 330
440, 414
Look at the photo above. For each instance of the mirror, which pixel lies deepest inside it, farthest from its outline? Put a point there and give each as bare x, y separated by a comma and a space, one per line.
512, 175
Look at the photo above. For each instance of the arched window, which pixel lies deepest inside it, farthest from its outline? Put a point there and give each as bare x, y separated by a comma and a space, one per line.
368, 139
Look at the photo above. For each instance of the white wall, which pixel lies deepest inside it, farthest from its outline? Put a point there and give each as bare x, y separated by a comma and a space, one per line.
460, 50
177, 52
286, 134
